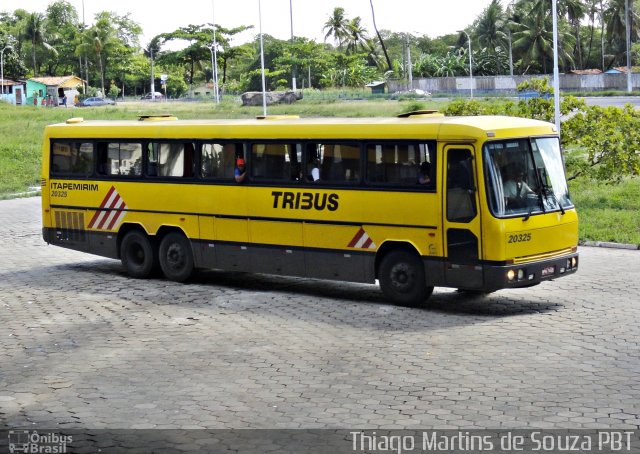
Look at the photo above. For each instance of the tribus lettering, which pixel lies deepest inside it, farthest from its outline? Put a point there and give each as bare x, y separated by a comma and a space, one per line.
304, 201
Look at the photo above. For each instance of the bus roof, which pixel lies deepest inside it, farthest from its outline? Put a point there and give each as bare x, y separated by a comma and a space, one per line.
467, 129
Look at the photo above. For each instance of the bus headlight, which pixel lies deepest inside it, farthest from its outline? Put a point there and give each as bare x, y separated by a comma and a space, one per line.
511, 275
520, 275
574, 262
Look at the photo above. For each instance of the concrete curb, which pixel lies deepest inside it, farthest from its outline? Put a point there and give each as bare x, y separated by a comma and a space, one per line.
609, 244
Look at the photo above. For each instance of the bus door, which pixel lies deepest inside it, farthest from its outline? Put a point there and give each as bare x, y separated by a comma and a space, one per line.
461, 223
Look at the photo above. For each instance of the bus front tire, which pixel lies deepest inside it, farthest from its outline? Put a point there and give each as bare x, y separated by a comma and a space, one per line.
176, 257
402, 278
138, 255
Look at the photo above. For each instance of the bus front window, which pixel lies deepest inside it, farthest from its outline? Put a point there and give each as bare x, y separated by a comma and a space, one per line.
525, 176
550, 169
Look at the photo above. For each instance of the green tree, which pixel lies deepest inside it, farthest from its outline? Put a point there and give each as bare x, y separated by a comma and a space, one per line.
35, 31
575, 10
605, 141
616, 29
357, 37
95, 41
337, 27
534, 38
226, 52
63, 28
490, 31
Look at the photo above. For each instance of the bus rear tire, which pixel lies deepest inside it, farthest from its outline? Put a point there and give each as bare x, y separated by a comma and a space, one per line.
402, 278
176, 257
138, 255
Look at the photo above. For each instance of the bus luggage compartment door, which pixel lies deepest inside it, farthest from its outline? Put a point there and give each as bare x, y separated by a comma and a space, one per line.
461, 221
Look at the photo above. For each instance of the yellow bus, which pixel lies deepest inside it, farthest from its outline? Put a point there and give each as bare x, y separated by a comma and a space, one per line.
474, 203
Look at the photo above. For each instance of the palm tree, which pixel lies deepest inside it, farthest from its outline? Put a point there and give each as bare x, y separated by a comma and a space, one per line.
592, 12
35, 31
575, 11
337, 26
384, 48
615, 17
533, 36
356, 35
94, 41
534, 39
490, 29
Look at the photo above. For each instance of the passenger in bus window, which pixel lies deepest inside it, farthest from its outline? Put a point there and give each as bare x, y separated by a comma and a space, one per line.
424, 173
314, 172
240, 171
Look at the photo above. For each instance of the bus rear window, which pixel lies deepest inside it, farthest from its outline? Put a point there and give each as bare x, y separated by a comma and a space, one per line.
73, 159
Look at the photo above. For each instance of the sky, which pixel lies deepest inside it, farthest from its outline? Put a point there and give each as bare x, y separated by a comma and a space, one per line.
419, 17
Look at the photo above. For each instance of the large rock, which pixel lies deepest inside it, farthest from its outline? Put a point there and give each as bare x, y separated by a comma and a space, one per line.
254, 98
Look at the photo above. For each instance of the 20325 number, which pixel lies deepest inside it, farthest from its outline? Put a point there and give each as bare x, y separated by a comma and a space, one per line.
519, 238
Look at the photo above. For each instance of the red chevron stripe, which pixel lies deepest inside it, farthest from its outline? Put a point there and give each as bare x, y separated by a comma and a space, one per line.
118, 214
114, 203
356, 238
104, 202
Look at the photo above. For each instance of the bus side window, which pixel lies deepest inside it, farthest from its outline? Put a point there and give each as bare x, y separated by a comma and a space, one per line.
218, 160
72, 159
120, 158
271, 161
170, 159
340, 162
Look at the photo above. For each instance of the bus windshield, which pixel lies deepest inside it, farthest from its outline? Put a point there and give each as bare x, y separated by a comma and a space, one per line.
525, 176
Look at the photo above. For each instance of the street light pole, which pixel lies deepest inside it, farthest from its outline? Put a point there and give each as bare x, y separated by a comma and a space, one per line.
556, 74
214, 73
264, 83
293, 70
153, 85
470, 61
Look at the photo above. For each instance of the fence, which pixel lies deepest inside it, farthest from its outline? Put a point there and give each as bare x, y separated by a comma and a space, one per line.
508, 84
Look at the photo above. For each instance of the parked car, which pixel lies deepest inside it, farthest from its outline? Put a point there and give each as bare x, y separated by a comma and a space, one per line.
159, 96
95, 101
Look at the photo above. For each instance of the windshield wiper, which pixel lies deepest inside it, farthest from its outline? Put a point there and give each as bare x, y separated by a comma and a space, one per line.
548, 192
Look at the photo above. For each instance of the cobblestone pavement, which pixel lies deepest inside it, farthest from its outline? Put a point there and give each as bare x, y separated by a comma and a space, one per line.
84, 346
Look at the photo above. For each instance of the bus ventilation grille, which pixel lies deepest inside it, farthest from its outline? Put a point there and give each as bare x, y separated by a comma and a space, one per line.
70, 226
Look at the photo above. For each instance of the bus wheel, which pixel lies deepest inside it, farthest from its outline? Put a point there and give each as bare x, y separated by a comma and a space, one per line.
138, 255
176, 257
402, 278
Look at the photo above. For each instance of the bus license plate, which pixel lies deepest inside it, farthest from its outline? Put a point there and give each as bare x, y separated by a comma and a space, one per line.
548, 271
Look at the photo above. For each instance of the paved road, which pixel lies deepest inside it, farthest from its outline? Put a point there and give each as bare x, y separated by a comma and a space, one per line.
617, 101
82, 345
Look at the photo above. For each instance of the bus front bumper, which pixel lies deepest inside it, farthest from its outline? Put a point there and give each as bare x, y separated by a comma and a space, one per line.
528, 274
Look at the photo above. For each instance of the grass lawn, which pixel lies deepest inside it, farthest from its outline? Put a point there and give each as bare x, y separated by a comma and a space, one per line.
607, 212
